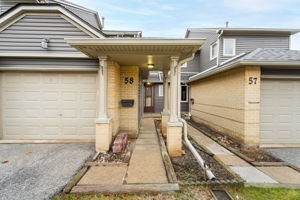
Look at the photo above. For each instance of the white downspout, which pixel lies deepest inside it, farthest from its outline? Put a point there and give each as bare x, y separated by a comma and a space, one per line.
199, 159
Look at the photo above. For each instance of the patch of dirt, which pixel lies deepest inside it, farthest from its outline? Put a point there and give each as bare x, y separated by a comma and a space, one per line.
256, 154
111, 157
188, 170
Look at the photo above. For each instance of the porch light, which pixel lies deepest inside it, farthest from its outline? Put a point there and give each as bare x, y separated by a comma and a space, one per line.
44, 43
148, 83
150, 66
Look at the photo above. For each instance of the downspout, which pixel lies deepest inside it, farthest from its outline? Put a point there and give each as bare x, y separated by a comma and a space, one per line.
199, 159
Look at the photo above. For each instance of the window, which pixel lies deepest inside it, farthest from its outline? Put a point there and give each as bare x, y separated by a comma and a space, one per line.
160, 90
229, 47
184, 93
213, 51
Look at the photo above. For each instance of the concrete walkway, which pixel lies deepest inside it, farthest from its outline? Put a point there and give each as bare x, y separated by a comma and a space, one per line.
146, 164
281, 176
289, 155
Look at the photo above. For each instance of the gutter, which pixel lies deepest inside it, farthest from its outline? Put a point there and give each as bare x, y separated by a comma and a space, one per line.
214, 71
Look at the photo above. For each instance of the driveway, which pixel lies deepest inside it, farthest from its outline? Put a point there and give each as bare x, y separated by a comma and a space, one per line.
39, 171
290, 155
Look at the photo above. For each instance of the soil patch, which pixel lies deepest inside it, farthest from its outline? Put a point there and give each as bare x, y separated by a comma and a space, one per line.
188, 170
111, 157
253, 153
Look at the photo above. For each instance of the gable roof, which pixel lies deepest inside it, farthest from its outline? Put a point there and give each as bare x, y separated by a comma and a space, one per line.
75, 8
22, 8
260, 57
248, 31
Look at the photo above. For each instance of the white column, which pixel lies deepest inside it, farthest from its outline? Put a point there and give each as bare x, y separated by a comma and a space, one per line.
166, 95
179, 90
102, 79
174, 90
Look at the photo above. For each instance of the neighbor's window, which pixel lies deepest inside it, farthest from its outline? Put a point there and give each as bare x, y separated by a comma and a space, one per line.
160, 90
229, 47
184, 93
213, 50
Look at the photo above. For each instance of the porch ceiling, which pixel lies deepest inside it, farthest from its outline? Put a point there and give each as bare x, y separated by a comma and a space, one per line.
138, 51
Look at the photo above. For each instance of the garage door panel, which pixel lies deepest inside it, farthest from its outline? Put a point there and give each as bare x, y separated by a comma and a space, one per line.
280, 113
49, 105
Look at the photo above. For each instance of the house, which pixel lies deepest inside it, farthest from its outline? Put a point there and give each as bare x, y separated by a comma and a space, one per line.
63, 78
249, 85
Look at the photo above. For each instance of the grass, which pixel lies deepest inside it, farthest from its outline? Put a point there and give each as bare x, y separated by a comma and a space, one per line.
195, 193
254, 193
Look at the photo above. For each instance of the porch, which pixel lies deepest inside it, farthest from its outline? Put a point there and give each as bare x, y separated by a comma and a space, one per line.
123, 65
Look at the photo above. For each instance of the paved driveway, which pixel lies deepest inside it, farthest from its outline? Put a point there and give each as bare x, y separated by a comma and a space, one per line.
290, 155
39, 171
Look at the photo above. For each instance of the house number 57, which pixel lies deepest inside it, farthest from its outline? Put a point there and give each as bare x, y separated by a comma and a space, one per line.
252, 80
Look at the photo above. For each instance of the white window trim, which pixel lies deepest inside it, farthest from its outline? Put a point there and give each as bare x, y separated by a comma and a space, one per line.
160, 90
234, 46
187, 94
210, 52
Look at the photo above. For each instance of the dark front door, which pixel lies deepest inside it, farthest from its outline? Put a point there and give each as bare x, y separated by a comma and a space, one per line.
149, 99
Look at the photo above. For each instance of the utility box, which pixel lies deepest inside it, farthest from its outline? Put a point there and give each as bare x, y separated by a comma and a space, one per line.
127, 102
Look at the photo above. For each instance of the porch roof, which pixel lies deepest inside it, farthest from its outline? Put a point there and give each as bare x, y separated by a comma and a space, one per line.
138, 51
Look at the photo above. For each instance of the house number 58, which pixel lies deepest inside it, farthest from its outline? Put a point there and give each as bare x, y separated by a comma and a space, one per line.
252, 80
128, 80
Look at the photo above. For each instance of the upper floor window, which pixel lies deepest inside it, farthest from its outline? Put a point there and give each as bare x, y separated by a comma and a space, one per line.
228, 47
184, 65
213, 50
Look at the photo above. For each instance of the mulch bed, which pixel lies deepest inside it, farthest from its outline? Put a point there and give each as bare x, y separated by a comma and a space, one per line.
254, 153
188, 170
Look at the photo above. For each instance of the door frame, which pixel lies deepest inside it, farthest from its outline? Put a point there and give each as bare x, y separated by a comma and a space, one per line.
152, 108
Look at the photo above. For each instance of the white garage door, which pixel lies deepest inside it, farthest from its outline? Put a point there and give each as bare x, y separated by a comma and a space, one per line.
280, 111
48, 105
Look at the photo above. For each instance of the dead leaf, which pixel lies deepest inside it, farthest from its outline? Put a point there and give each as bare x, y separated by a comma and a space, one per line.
4, 162
28, 152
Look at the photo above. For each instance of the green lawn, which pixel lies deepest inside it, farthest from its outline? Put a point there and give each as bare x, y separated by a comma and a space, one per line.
195, 193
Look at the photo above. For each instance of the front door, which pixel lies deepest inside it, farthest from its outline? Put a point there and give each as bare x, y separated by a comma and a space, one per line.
149, 99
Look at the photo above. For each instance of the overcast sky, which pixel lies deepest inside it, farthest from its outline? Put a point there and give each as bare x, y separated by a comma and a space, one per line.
171, 18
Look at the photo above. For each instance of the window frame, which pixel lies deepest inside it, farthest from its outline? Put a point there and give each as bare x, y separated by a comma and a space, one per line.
211, 51
234, 46
187, 94
160, 90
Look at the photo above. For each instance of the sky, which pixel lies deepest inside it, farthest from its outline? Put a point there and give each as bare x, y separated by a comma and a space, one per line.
171, 18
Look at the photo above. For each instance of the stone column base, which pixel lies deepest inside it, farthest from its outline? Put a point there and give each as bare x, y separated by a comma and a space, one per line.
174, 139
164, 123
103, 135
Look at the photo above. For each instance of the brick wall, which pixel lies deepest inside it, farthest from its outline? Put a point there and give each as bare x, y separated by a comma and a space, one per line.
228, 103
129, 115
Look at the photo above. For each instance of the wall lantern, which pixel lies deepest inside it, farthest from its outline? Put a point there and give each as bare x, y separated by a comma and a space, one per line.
44, 43
150, 66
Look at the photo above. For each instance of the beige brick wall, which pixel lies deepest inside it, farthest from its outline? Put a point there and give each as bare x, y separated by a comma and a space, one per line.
228, 103
113, 70
129, 115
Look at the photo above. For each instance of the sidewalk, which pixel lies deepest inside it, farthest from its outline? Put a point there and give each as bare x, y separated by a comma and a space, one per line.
144, 173
272, 176
146, 164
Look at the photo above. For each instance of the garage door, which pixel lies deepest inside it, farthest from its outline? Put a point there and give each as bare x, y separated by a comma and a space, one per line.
48, 105
280, 111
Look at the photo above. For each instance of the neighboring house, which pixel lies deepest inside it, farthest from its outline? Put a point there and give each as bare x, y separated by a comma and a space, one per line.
62, 77
40, 100
249, 85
